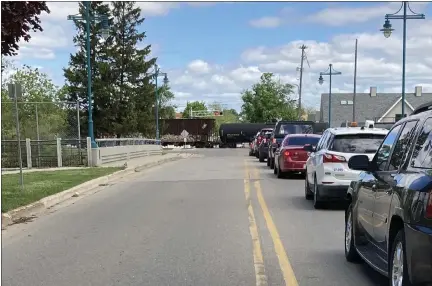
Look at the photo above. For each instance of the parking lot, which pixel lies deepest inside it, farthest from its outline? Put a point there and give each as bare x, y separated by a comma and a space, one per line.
217, 218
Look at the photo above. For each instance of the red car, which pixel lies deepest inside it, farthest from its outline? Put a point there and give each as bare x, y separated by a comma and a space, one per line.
290, 157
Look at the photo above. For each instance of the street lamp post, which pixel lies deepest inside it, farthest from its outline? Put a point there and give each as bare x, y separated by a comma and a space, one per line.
330, 72
387, 31
155, 76
87, 19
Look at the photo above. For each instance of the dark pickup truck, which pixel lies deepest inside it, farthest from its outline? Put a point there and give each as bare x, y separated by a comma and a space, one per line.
283, 128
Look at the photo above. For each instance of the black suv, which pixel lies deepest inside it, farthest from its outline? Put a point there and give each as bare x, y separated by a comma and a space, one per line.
388, 221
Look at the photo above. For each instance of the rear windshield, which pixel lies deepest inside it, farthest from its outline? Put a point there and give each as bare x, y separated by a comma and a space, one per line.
357, 143
301, 141
265, 131
290, 128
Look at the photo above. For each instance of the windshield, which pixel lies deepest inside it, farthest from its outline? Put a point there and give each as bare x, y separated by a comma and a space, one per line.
357, 143
301, 141
287, 128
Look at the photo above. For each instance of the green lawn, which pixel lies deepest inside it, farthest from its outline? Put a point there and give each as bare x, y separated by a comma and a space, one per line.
38, 185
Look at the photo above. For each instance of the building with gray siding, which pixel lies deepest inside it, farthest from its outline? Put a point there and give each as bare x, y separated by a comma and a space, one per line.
380, 107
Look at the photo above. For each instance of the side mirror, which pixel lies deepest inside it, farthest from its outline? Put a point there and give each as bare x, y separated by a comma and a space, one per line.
359, 163
309, 148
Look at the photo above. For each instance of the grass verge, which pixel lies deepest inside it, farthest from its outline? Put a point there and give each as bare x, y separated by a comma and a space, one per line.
38, 185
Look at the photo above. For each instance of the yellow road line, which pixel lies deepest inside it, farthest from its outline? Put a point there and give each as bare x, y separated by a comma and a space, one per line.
285, 265
260, 276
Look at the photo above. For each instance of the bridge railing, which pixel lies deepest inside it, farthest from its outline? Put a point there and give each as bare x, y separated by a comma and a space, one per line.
123, 149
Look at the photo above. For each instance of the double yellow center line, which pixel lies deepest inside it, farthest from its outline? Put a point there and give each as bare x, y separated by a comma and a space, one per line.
261, 277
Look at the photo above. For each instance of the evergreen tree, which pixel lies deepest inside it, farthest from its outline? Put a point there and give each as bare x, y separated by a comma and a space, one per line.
131, 91
76, 72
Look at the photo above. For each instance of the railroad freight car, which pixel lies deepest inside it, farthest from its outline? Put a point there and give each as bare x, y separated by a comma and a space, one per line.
232, 134
201, 132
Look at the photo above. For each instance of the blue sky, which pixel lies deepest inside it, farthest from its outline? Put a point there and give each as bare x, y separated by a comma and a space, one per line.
212, 51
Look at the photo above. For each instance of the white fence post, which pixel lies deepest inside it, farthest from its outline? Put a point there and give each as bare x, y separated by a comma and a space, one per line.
28, 152
59, 153
89, 152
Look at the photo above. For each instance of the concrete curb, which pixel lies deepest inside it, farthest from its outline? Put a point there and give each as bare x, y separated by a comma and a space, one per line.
26, 212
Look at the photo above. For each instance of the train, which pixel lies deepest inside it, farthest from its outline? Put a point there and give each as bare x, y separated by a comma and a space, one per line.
231, 134
200, 132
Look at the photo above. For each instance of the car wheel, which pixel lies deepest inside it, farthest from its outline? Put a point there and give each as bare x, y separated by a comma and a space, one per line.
308, 193
274, 169
261, 157
250, 153
268, 161
317, 201
398, 268
351, 253
279, 173
256, 154
272, 163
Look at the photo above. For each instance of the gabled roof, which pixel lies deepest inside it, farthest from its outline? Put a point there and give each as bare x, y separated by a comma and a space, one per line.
367, 107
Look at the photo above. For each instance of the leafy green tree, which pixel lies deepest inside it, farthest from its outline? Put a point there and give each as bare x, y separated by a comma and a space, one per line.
38, 91
128, 85
76, 73
228, 115
194, 106
269, 99
18, 18
166, 109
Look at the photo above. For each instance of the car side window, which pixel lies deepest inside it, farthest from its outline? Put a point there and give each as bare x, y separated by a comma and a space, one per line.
329, 141
383, 154
402, 146
422, 155
322, 141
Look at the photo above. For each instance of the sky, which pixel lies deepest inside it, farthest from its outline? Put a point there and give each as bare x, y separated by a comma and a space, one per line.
212, 51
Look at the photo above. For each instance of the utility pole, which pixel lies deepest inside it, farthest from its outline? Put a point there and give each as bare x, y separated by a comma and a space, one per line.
303, 48
355, 83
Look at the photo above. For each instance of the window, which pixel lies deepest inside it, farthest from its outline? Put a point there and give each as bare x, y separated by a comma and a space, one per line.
422, 155
350, 102
402, 145
357, 143
301, 141
343, 102
383, 153
322, 140
287, 128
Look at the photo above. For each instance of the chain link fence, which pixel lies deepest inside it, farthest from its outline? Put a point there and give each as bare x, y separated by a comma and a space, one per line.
42, 123
41, 120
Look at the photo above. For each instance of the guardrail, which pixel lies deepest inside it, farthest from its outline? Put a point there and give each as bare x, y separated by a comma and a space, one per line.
123, 149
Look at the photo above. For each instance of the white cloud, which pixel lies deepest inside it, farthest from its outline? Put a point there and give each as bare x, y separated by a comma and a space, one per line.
339, 16
266, 22
199, 66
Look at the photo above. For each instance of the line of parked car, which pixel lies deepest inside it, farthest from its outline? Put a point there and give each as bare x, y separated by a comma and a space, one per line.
383, 176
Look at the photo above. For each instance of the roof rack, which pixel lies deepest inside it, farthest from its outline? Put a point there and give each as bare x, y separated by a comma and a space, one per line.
422, 108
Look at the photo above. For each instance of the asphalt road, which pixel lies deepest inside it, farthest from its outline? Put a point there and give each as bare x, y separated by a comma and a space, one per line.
218, 218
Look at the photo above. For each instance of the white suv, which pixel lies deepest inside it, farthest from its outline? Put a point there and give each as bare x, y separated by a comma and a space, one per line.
327, 174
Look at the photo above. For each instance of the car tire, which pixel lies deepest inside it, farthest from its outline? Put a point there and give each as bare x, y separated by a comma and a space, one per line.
268, 161
250, 153
317, 200
256, 154
272, 163
351, 254
279, 173
398, 252
308, 193
274, 170
261, 157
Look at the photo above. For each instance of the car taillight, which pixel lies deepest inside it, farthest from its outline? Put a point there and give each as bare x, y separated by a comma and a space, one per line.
330, 158
428, 213
274, 140
264, 140
286, 153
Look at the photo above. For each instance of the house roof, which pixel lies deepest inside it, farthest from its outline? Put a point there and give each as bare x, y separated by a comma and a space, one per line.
367, 107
